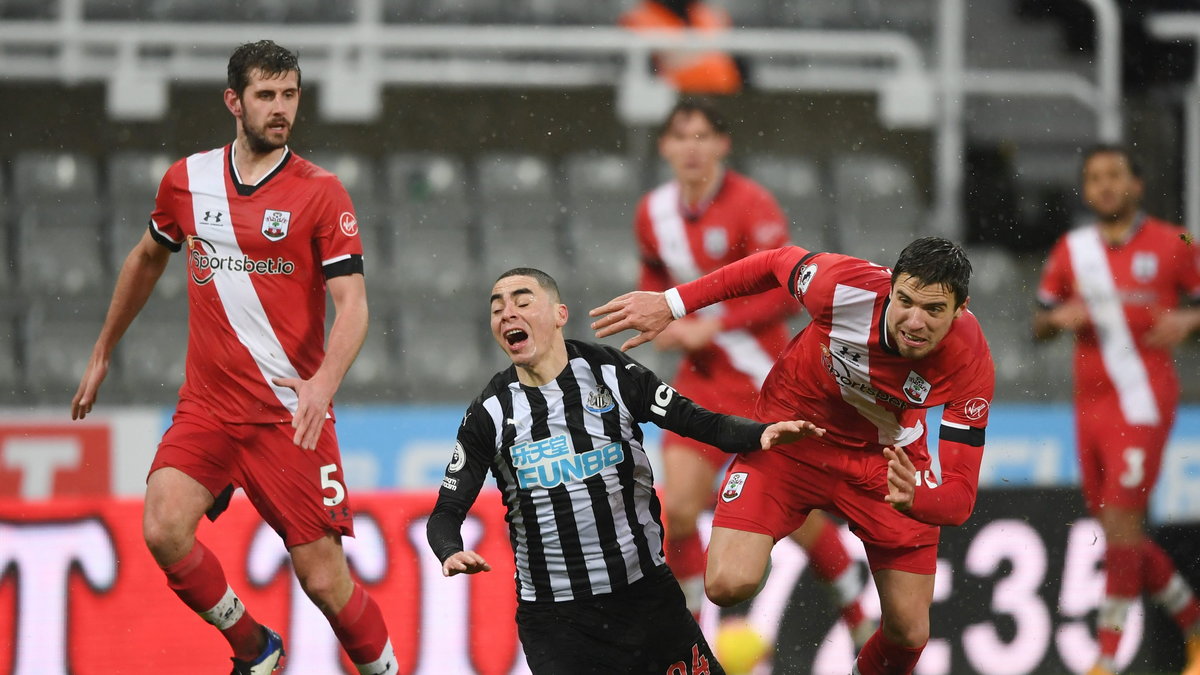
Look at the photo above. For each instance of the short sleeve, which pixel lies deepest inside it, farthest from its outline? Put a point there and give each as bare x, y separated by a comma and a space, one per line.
337, 236
767, 227
965, 418
1057, 282
164, 220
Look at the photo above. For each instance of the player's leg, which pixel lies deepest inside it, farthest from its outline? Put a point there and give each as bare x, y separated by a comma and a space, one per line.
352, 613
301, 494
1128, 460
737, 565
831, 563
687, 490
189, 469
904, 600
1168, 588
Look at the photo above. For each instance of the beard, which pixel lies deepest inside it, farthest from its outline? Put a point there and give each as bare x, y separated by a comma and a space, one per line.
259, 142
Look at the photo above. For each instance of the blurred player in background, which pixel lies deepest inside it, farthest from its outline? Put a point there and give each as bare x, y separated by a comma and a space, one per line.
266, 233
710, 216
1116, 284
559, 431
883, 346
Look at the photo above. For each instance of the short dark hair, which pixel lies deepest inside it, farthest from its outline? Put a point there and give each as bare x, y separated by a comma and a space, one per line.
936, 261
1135, 167
544, 280
264, 56
696, 105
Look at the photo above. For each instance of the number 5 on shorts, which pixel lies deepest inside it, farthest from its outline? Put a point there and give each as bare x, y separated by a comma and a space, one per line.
328, 483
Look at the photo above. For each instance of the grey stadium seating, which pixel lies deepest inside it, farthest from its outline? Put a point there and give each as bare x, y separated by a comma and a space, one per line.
58, 336
602, 195
154, 350
878, 208
431, 232
519, 215
796, 184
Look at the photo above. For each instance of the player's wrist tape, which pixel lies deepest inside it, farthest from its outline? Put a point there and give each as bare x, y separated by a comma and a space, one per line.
675, 303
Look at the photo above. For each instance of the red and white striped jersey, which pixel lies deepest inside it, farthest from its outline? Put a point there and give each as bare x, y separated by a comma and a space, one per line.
1125, 287
677, 245
257, 260
843, 372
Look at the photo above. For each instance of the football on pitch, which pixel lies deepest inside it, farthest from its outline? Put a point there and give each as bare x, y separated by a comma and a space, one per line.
739, 647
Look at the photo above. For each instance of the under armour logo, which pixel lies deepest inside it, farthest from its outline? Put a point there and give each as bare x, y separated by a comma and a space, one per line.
213, 217
845, 353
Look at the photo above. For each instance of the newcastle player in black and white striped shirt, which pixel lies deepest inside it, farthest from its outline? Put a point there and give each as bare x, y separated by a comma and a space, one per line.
559, 431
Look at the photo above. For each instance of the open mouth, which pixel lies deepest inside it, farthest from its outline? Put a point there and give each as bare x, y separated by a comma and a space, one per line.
515, 337
913, 340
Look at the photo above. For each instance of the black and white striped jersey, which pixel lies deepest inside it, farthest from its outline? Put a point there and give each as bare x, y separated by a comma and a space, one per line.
568, 459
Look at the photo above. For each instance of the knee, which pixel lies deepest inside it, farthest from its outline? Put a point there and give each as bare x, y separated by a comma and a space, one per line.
906, 633
726, 589
168, 539
324, 586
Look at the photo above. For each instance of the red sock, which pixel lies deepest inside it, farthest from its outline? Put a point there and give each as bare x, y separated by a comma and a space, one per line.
360, 627
830, 562
1162, 581
880, 657
200, 583
1123, 584
686, 555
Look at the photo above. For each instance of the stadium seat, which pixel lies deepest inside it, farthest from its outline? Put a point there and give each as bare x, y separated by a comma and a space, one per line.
576, 12
58, 336
430, 228
877, 211
817, 13
114, 10
135, 176
61, 250
40, 176
748, 13
602, 195
796, 184
10, 372
375, 374
519, 214
155, 351
27, 9
452, 11
446, 348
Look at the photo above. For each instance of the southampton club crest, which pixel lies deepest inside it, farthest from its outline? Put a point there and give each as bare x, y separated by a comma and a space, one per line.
275, 224
916, 388
733, 486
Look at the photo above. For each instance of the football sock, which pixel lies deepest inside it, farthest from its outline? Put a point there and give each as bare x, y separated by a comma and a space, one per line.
686, 558
200, 583
831, 564
1123, 584
363, 634
1167, 587
880, 657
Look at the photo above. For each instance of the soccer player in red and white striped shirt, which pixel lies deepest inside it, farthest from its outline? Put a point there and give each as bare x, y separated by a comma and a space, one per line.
706, 217
883, 346
266, 235
1117, 284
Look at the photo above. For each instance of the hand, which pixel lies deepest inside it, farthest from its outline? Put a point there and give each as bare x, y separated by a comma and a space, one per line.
643, 311
85, 395
465, 562
1071, 316
780, 433
1169, 329
902, 479
312, 405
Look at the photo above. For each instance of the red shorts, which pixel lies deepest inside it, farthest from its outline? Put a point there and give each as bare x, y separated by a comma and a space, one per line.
725, 391
771, 492
300, 493
1119, 462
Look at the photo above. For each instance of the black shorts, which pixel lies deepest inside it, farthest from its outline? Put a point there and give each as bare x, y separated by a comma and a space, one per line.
642, 628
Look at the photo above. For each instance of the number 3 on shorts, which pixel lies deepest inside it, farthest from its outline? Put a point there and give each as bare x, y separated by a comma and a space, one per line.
1135, 468
327, 483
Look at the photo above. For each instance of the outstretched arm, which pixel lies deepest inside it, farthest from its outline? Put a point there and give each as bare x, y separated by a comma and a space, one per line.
141, 270
649, 313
